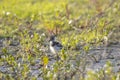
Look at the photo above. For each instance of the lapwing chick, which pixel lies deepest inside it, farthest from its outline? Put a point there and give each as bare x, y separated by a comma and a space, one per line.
54, 45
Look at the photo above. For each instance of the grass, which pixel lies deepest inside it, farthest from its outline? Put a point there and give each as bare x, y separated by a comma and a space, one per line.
25, 26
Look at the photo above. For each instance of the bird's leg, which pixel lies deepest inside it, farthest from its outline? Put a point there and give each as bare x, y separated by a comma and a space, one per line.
57, 57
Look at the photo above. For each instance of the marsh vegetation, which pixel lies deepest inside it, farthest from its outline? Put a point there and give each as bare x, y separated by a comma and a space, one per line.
89, 31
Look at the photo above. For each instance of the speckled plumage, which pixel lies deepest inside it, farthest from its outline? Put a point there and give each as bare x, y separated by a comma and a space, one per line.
54, 45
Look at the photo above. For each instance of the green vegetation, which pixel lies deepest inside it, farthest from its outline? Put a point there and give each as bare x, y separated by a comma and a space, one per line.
25, 26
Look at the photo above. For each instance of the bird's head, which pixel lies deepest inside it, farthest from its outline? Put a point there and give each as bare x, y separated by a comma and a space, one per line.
52, 38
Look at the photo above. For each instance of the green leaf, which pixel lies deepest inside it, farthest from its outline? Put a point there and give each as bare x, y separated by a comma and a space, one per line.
45, 60
4, 50
86, 48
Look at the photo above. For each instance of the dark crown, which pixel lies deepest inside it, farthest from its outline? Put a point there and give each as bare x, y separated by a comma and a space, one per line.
52, 38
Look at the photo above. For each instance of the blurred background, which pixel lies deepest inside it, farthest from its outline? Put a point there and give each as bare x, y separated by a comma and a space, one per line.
89, 30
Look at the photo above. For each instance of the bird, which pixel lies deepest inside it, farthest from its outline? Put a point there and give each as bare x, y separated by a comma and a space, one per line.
54, 45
